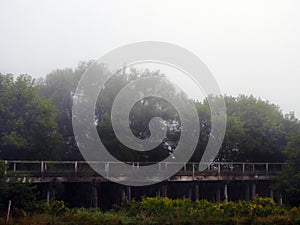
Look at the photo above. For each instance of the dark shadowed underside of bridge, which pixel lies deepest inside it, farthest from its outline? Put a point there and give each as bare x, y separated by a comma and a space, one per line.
79, 185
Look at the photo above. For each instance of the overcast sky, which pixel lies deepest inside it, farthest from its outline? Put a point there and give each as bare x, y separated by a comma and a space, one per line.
251, 47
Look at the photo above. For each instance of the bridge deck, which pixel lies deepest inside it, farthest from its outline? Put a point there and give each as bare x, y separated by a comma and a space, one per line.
80, 171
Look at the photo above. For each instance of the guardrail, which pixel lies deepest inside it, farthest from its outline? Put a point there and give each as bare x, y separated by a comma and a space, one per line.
77, 169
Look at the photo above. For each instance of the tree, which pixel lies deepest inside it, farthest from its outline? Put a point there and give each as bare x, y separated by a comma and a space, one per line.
28, 129
140, 115
287, 182
255, 130
59, 87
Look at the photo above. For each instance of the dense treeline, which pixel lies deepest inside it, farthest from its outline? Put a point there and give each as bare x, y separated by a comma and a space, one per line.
36, 122
36, 115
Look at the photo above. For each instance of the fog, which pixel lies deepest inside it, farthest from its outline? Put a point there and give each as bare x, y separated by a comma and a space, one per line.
251, 47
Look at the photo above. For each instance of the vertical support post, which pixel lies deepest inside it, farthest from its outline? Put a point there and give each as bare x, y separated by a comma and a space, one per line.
51, 192
197, 191
8, 212
106, 168
48, 195
243, 169
129, 193
218, 194
190, 194
271, 194
42, 168
123, 194
95, 194
164, 190
219, 170
15, 167
226, 193
75, 168
247, 190
253, 190
267, 169
280, 200
193, 171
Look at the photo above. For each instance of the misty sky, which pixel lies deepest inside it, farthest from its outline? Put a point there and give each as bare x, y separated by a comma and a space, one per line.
251, 47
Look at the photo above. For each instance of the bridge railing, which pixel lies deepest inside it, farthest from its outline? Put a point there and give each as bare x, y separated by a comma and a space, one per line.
77, 169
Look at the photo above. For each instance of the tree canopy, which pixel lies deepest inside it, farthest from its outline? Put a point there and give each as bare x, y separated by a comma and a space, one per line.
28, 128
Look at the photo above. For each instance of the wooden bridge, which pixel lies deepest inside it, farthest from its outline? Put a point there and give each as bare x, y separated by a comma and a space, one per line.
220, 181
80, 171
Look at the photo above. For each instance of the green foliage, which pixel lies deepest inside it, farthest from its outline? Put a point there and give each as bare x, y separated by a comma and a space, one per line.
256, 130
157, 207
287, 182
157, 211
59, 87
28, 128
58, 208
22, 194
3, 189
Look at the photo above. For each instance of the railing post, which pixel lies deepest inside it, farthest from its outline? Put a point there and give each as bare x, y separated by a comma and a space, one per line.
75, 168
219, 170
15, 166
42, 168
107, 169
193, 170
267, 169
243, 165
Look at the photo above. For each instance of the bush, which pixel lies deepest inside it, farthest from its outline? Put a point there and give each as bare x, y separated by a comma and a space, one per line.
157, 211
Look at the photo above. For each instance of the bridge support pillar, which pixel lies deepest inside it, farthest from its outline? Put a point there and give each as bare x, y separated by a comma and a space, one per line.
123, 194
247, 191
164, 190
218, 195
51, 192
253, 190
226, 193
280, 202
197, 191
48, 195
271, 194
129, 193
190, 193
94, 195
